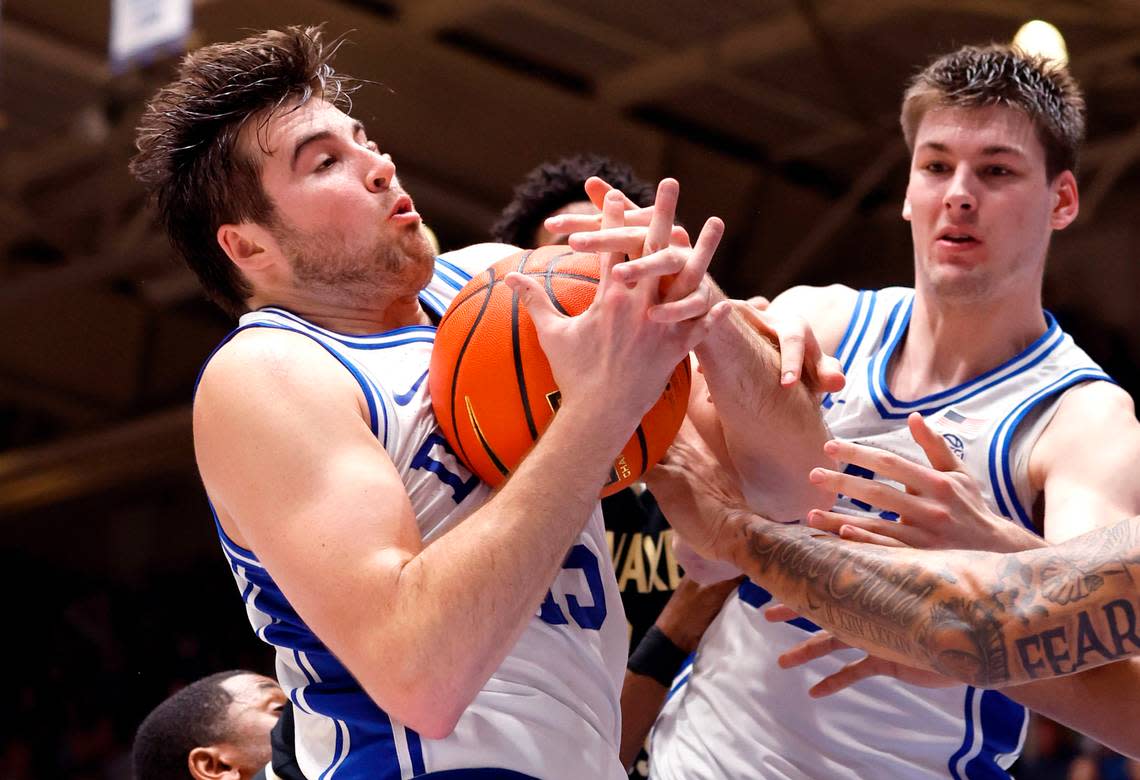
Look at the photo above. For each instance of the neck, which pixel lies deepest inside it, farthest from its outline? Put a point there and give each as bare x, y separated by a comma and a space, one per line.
948, 343
351, 318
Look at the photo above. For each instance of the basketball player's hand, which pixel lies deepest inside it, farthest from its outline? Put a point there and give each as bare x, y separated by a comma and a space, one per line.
613, 356
596, 190
939, 507
800, 354
823, 643
694, 491
658, 249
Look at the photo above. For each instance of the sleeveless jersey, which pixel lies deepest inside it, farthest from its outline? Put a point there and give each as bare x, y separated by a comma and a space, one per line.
551, 710
732, 713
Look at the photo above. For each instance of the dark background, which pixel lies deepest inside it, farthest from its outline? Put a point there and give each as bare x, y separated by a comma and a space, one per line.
778, 115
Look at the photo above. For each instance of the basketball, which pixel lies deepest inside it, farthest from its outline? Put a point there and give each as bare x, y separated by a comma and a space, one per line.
490, 383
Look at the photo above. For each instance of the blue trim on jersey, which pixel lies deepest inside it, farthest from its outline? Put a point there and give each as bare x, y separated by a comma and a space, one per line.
855, 315
445, 272
1018, 364
755, 596
1001, 724
968, 740
1001, 479
397, 337
434, 301
682, 676
232, 549
361, 340
360, 378
996, 731
416, 752
338, 749
864, 295
462, 274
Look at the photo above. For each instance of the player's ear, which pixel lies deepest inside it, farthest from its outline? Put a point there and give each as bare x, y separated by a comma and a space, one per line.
245, 244
209, 763
1066, 200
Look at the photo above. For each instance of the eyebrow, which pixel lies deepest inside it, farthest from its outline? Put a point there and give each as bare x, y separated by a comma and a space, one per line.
988, 151
320, 135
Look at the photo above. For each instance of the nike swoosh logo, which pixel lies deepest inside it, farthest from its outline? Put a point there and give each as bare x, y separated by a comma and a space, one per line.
405, 398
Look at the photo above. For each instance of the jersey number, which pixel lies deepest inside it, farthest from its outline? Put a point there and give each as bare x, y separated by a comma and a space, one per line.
589, 617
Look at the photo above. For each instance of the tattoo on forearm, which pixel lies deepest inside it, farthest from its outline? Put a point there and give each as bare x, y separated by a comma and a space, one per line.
1047, 612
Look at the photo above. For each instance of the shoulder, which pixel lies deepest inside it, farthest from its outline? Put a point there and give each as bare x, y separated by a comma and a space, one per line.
262, 370
476, 258
1097, 410
1094, 427
827, 309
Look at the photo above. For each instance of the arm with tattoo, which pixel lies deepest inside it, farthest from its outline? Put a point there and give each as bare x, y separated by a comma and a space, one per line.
986, 619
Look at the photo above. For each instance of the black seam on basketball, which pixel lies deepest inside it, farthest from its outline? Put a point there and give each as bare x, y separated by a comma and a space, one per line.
550, 286
644, 449
459, 361
516, 350
482, 439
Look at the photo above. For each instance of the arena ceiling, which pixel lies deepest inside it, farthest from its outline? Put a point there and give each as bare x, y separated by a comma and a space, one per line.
778, 115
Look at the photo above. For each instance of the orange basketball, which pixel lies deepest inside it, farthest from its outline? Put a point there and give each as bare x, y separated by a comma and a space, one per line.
491, 385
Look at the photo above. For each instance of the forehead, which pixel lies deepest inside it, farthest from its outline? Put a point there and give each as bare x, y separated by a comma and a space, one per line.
246, 687
275, 134
976, 130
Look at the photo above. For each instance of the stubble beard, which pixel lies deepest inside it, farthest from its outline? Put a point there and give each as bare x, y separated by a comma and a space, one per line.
361, 274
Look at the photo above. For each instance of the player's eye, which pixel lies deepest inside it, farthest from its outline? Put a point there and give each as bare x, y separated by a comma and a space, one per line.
936, 167
326, 162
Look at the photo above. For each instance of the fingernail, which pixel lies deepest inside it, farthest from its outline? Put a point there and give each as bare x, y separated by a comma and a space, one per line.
830, 446
788, 378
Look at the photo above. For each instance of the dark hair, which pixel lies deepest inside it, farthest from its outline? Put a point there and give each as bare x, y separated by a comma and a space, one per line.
553, 185
188, 157
195, 716
1003, 75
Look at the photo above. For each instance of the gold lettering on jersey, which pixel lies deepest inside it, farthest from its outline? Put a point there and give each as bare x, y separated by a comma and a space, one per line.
646, 560
671, 564
634, 567
653, 550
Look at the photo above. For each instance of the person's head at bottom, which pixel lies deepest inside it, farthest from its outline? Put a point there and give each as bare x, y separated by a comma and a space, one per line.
214, 729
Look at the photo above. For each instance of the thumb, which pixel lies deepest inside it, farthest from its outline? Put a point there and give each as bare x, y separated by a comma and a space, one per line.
935, 447
534, 298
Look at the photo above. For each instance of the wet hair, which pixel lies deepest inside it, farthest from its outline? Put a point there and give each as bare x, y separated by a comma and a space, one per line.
195, 716
553, 185
188, 155
1000, 75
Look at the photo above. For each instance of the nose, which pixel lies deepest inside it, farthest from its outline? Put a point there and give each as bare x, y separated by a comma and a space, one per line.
960, 195
381, 171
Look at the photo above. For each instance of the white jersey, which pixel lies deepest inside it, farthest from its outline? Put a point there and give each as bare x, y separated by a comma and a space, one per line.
551, 710
732, 713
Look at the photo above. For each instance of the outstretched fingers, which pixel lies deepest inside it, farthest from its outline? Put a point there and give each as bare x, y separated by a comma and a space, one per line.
937, 451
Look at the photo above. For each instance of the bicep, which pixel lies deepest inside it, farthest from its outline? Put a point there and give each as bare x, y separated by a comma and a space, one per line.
1088, 460
286, 455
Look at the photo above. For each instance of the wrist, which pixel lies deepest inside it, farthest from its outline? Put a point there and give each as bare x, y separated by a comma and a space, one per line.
730, 535
657, 656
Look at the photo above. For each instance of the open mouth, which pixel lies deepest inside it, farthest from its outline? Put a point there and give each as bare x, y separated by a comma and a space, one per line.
403, 206
958, 238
